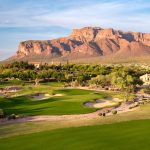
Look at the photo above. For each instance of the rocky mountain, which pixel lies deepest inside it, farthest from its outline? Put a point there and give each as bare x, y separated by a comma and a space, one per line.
89, 41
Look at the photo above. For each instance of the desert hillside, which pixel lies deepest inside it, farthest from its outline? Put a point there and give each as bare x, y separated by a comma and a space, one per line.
88, 42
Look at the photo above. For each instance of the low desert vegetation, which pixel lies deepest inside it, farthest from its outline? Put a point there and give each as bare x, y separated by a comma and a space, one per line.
115, 77
1, 113
145, 90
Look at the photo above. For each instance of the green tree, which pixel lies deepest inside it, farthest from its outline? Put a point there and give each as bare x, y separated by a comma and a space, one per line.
125, 82
101, 80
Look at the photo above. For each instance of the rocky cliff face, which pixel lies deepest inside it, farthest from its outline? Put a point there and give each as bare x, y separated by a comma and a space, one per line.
90, 42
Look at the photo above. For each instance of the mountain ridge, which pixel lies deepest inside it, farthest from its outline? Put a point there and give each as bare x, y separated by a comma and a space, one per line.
89, 42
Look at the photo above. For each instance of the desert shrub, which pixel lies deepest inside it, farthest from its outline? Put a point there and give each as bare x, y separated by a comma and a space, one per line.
53, 92
114, 112
30, 88
20, 116
75, 83
104, 114
131, 107
144, 99
106, 88
12, 116
146, 90
107, 111
23, 84
100, 114
148, 101
136, 105
67, 85
95, 99
36, 94
1, 113
141, 103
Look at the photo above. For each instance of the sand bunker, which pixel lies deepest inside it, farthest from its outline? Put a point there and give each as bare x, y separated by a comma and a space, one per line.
10, 89
102, 103
42, 96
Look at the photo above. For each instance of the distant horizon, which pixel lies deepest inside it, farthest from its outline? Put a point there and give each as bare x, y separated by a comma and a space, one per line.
45, 20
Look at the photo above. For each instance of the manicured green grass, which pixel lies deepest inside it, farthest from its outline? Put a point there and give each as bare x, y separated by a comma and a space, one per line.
13, 83
8, 130
70, 103
133, 135
27, 83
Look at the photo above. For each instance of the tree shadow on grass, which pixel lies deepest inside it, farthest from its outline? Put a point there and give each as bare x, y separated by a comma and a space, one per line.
25, 100
26, 111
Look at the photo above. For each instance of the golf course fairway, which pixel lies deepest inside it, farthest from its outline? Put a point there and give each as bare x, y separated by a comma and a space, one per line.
132, 135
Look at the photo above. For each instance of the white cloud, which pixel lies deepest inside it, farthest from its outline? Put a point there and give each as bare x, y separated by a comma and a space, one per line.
117, 14
112, 14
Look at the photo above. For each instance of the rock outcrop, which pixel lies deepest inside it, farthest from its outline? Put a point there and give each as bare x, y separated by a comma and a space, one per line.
89, 41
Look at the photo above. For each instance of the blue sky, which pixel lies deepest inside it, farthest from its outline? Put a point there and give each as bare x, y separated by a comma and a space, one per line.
46, 19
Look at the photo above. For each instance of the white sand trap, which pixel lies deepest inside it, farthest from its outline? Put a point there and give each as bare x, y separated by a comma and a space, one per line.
108, 102
42, 96
9, 89
103, 104
58, 95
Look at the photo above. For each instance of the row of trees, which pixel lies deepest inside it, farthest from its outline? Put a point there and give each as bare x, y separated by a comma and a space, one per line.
126, 78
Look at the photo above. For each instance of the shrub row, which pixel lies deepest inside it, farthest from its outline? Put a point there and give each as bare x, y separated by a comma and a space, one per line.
107, 111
